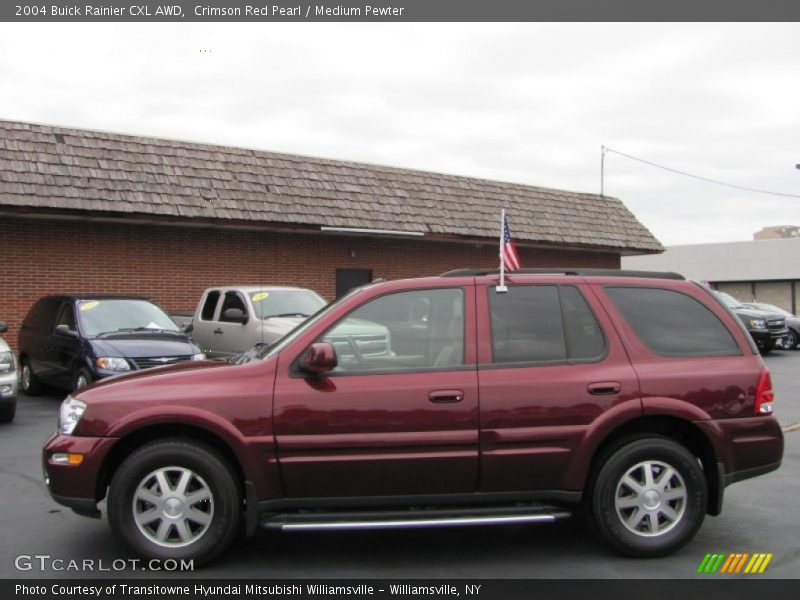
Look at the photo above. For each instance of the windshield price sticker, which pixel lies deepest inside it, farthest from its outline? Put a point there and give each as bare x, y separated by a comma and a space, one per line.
259, 296
89, 305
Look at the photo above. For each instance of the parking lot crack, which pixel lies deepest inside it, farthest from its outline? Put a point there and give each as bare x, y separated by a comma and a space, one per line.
22, 476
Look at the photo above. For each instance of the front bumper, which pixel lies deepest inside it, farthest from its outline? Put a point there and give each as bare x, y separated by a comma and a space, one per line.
769, 338
9, 386
81, 486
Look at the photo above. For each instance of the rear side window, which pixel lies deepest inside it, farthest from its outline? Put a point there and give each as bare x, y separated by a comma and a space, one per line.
209, 306
42, 315
543, 323
671, 323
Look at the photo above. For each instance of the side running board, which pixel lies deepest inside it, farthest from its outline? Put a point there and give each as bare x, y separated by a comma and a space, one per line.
408, 520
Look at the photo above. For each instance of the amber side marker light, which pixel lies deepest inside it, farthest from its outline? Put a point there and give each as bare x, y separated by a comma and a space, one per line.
764, 394
66, 459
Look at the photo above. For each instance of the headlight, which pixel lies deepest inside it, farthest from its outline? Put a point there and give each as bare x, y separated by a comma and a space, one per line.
200, 356
112, 363
758, 323
71, 412
7, 362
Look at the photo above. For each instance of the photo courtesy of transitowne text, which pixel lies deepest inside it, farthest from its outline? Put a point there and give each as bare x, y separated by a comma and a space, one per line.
399, 299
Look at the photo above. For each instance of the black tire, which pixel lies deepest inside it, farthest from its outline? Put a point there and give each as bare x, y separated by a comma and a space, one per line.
7, 411
29, 383
607, 494
209, 468
81, 378
791, 341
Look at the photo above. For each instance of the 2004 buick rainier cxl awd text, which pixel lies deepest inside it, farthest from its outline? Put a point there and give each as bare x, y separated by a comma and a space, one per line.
635, 397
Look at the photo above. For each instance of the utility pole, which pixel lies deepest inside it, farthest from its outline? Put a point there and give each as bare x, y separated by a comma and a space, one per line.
603, 151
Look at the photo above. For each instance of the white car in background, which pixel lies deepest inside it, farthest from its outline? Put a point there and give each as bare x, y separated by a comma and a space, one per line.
9, 380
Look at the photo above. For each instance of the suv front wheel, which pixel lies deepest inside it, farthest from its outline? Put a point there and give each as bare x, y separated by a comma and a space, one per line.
648, 497
175, 499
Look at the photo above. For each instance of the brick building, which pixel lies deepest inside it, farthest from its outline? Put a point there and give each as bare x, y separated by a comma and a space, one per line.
85, 211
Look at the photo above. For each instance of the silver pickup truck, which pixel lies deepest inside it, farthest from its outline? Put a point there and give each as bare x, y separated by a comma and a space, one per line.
232, 319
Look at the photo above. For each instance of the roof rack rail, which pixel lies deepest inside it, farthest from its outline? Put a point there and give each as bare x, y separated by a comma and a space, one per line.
576, 271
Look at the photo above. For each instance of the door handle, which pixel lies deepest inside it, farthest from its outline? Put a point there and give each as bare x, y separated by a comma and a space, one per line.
219, 330
443, 396
604, 388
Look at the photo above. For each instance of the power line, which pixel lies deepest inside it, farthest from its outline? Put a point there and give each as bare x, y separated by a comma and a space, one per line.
606, 149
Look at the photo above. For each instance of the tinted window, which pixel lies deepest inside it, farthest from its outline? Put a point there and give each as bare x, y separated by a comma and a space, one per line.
42, 315
407, 331
585, 340
526, 324
672, 323
209, 306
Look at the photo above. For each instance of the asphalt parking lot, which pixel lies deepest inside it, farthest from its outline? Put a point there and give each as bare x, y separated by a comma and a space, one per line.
760, 515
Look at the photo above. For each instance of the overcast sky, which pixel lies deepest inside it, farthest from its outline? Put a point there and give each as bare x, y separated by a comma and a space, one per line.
528, 103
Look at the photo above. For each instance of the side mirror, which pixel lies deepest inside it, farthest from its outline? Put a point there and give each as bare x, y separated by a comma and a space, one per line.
319, 358
65, 331
188, 328
3, 327
235, 315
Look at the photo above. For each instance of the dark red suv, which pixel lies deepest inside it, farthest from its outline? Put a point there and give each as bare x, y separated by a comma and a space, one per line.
635, 396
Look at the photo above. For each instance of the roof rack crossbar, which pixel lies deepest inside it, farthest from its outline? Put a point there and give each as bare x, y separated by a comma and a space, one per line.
586, 272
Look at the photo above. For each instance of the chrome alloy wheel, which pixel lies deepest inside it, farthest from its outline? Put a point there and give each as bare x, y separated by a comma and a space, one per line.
26, 377
173, 507
650, 498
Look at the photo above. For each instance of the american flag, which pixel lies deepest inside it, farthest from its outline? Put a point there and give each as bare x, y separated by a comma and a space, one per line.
509, 251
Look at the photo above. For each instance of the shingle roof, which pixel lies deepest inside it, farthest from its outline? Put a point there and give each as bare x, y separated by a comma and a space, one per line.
55, 167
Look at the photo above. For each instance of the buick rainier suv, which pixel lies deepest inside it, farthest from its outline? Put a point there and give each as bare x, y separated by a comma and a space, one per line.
634, 398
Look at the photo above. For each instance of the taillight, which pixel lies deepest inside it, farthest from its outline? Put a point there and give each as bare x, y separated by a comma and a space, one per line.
764, 394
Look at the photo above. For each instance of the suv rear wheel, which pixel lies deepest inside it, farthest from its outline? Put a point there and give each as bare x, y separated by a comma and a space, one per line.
648, 497
175, 499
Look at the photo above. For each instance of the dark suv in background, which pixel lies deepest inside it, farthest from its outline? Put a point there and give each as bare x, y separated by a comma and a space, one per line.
792, 322
767, 328
69, 341
635, 397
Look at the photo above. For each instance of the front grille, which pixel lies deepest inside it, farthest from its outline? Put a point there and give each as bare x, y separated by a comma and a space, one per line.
776, 324
148, 362
371, 344
368, 345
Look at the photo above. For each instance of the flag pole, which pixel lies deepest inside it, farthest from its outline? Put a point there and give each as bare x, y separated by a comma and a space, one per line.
502, 287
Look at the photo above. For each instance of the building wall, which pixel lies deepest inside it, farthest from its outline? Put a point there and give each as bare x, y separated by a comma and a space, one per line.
764, 260
173, 265
742, 291
767, 270
778, 293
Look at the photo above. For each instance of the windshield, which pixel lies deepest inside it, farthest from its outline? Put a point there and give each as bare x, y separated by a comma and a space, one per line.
286, 303
109, 316
729, 300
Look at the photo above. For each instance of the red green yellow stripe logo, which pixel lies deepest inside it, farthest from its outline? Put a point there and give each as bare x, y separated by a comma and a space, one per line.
736, 562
